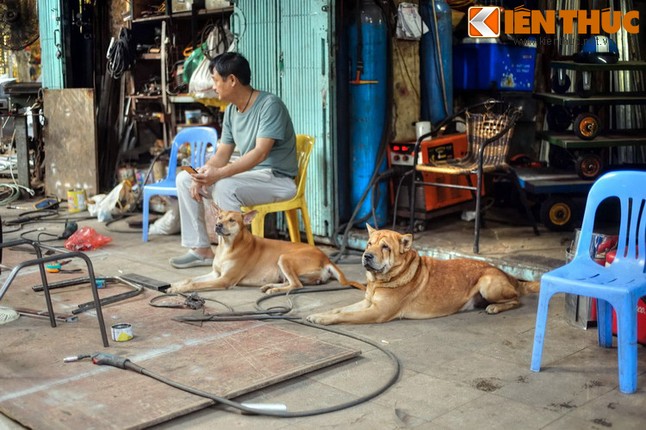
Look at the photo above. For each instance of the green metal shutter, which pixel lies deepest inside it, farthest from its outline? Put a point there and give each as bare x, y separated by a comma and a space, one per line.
287, 44
49, 21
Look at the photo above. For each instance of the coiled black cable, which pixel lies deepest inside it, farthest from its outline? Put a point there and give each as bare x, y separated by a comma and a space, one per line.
120, 56
388, 379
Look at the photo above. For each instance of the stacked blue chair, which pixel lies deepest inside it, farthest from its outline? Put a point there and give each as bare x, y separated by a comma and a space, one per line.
618, 286
198, 138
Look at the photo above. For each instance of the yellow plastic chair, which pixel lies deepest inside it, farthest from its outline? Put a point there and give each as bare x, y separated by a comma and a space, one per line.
304, 144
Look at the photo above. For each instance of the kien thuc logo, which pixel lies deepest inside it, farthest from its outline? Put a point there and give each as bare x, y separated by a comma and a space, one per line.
484, 21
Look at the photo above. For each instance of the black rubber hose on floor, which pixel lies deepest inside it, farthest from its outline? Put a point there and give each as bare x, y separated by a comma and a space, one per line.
125, 363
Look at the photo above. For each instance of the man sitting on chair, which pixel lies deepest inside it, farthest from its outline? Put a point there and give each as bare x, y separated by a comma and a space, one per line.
258, 123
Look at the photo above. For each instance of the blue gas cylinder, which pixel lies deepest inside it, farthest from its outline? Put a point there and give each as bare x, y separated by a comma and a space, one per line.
436, 61
368, 52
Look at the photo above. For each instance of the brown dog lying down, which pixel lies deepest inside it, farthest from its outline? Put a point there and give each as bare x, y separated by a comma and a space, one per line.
402, 284
274, 265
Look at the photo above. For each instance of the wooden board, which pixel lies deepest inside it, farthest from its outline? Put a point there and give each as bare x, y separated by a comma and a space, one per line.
39, 390
70, 141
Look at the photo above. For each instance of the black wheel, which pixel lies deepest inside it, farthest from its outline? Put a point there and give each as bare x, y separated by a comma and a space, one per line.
560, 158
559, 213
560, 87
587, 126
559, 118
588, 166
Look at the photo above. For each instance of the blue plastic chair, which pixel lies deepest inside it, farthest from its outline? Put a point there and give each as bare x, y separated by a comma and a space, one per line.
199, 139
617, 286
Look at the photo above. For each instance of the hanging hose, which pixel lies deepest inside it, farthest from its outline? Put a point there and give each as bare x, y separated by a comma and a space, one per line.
438, 60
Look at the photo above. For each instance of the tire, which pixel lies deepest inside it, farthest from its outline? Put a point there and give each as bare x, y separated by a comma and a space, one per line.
587, 126
558, 87
588, 166
558, 118
559, 213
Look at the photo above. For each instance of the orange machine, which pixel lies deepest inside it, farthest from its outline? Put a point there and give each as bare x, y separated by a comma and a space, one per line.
429, 198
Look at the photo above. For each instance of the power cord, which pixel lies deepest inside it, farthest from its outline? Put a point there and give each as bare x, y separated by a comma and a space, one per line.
260, 409
70, 228
191, 301
120, 57
105, 359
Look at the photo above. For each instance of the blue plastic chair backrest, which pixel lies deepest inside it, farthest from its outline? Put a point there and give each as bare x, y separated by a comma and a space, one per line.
629, 187
199, 139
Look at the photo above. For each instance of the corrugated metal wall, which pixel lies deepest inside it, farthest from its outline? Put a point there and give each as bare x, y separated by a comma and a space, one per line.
49, 20
287, 44
255, 24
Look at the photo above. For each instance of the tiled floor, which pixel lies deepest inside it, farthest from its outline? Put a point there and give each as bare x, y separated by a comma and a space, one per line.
469, 370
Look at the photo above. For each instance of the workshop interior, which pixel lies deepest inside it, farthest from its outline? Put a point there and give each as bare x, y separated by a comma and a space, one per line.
511, 132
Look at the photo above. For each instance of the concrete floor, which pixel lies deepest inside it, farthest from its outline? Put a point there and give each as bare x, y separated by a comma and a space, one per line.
469, 370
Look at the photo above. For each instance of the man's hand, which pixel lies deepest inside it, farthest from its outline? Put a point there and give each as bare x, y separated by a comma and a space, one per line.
205, 177
198, 192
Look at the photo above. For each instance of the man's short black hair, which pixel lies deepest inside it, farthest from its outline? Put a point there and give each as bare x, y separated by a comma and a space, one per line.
232, 63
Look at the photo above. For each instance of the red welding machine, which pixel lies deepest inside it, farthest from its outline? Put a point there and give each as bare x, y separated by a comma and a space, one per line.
430, 199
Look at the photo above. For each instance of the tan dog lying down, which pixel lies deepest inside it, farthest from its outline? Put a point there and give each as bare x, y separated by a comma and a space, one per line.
402, 284
274, 265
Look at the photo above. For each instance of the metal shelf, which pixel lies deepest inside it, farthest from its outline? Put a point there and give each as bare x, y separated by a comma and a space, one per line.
571, 99
591, 67
183, 14
548, 180
150, 56
142, 97
187, 98
203, 12
568, 140
182, 98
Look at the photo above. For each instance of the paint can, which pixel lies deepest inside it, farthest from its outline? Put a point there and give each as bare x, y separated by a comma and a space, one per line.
122, 332
76, 200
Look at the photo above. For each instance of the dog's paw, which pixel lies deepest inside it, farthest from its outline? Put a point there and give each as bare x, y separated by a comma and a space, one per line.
173, 290
178, 287
275, 288
322, 319
265, 289
492, 309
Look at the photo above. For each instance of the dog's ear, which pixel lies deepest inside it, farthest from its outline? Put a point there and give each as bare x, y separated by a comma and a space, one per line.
248, 217
406, 243
370, 229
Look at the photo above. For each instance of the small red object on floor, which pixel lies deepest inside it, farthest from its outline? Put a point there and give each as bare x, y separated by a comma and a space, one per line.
641, 309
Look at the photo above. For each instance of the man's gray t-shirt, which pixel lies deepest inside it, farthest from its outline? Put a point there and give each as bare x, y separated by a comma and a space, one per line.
268, 118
